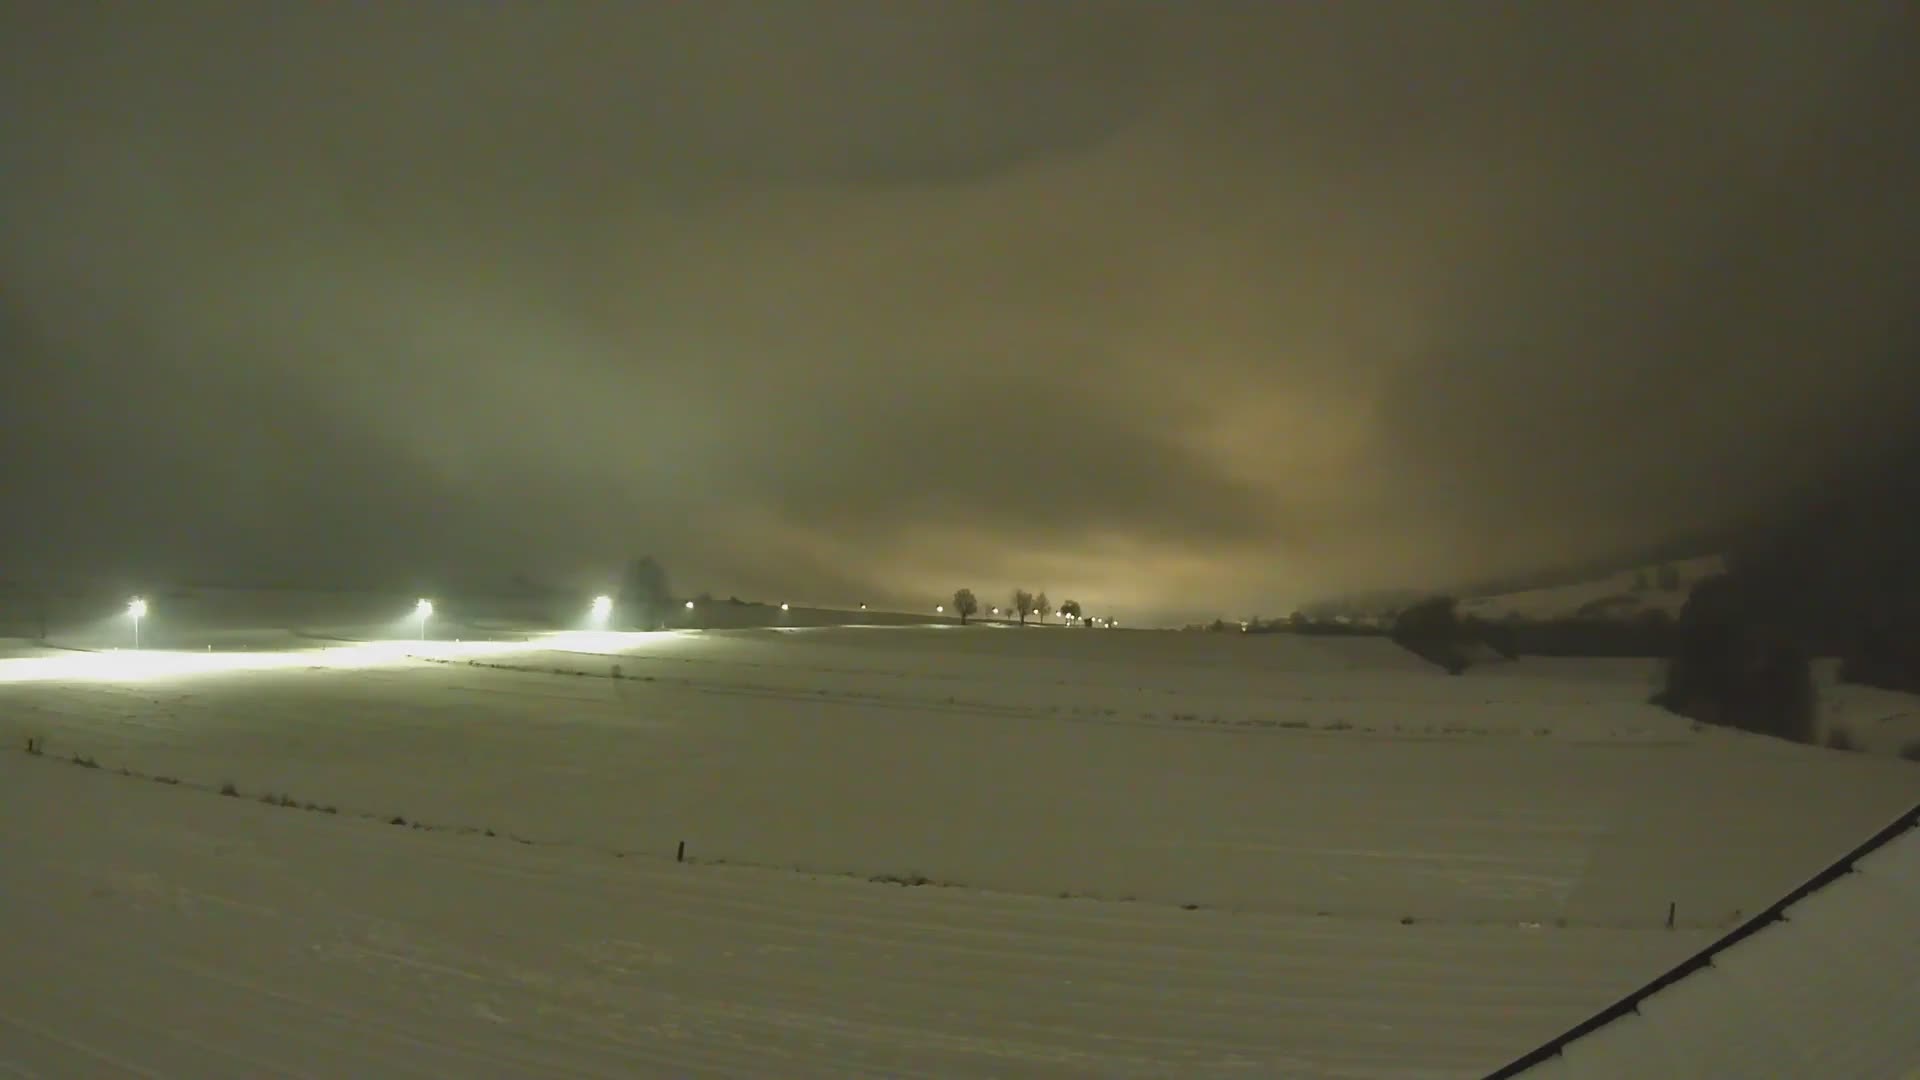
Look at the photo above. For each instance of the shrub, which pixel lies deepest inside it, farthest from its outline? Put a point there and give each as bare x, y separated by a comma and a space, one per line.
1841, 739
229, 790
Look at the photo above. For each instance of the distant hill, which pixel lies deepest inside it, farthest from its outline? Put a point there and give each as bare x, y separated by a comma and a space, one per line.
1621, 594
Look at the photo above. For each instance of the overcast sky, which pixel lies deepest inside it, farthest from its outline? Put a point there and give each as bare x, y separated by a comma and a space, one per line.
1172, 308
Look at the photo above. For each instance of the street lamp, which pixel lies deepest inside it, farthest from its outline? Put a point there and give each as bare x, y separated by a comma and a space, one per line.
786, 607
939, 609
602, 607
424, 609
689, 605
136, 610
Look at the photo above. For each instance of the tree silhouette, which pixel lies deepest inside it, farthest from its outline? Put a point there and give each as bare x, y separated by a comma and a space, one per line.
965, 604
1040, 606
1071, 609
1022, 604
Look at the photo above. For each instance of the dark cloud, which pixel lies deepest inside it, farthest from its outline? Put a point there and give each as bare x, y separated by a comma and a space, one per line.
1181, 307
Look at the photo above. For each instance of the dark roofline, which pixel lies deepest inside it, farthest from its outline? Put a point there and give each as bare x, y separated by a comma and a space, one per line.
1704, 958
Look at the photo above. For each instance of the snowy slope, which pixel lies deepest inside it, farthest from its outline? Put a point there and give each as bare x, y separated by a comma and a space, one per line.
1623, 595
1404, 870
155, 930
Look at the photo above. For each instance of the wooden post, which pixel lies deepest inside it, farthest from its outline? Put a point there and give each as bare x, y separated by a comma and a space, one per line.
681, 855
1670, 907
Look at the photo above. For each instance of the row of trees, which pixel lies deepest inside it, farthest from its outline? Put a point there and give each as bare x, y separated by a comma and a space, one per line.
645, 600
1025, 604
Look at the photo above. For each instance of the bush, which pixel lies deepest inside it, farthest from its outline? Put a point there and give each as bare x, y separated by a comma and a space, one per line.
1841, 739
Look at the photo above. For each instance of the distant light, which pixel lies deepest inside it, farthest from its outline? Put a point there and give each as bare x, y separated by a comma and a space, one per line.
137, 608
786, 607
602, 606
689, 605
423, 608
939, 608
863, 607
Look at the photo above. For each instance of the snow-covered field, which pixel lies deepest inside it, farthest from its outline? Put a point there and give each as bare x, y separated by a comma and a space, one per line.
1625, 594
1146, 854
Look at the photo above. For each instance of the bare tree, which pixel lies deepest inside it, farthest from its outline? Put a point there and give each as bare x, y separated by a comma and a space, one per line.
1041, 606
1022, 604
965, 604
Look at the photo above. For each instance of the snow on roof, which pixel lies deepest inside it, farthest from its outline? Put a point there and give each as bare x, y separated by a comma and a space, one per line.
1824, 983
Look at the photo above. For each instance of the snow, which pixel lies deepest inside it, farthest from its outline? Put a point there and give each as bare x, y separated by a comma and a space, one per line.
1151, 854
1626, 594
1875, 721
1830, 990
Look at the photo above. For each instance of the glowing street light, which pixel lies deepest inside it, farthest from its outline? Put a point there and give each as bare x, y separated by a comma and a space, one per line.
424, 609
136, 610
939, 609
786, 607
602, 607
689, 605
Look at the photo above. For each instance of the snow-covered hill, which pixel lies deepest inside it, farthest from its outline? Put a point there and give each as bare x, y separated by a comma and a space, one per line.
1625, 594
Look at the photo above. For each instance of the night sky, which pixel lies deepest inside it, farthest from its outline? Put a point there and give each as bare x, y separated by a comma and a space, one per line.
1172, 308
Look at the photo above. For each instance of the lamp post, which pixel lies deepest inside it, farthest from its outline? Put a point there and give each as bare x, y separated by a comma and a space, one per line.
136, 610
602, 608
424, 609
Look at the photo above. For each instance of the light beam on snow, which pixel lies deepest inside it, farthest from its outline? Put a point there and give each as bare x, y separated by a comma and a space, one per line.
147, 664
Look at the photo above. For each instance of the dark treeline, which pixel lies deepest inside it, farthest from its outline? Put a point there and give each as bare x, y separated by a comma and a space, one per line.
1837, 576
